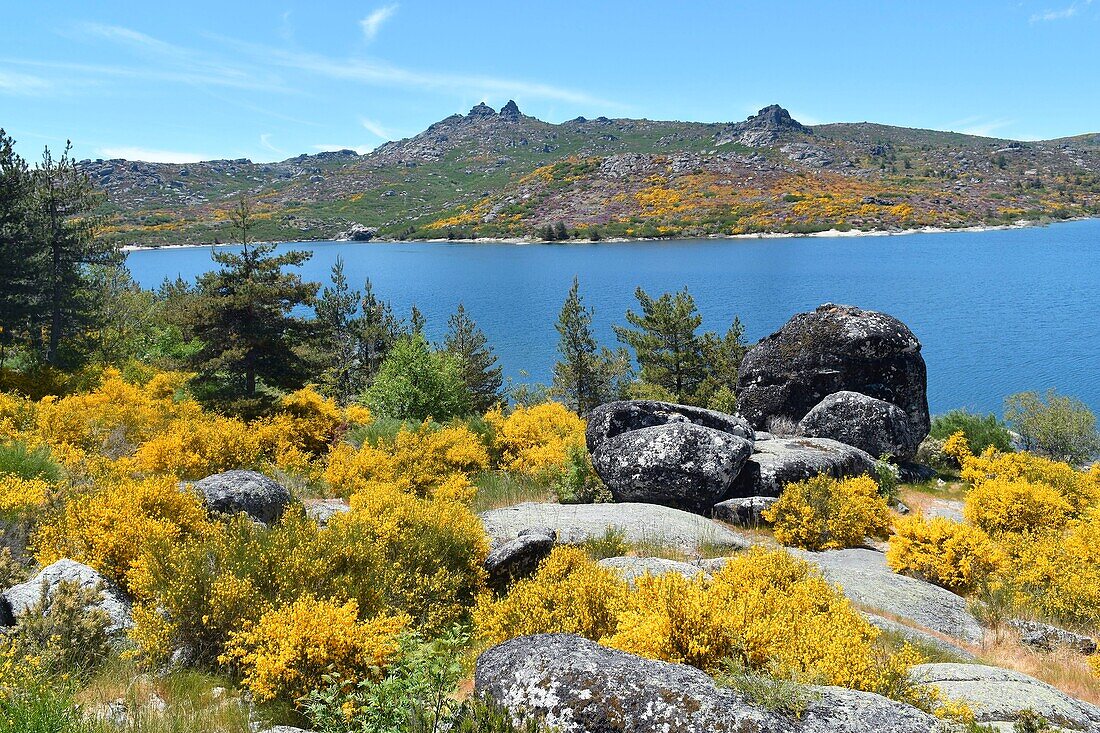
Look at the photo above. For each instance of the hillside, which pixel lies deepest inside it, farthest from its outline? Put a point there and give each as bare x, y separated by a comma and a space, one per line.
505, 174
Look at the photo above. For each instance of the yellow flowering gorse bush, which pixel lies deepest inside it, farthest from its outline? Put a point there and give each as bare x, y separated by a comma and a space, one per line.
537, 438
823, 513
954, 555
290, 650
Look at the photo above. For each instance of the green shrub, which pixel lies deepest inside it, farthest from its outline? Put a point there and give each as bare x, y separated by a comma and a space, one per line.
65, 631
416, 382
41, 709
577, 482
1054, 425
981, 431
612, 543
16, 458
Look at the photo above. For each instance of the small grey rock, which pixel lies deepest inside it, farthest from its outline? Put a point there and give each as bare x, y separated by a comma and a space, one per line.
322, 510
237, 491
19, 599
745, 511
870, 424
517, 559
1047, 638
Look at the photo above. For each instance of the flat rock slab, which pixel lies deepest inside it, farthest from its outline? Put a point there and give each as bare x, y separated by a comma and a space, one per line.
998, 695
322, 510
577, 523
632, 568
919, 637
781, 461
865, 579
946, 508
577, 686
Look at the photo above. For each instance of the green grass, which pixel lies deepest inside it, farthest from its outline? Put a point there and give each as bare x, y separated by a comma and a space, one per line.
497, 489
16, 458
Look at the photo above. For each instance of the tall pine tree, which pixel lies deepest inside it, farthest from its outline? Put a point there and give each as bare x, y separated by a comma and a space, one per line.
378, 330
585, 376
666, 345
22, 260
338, 331
246, 321
480, 371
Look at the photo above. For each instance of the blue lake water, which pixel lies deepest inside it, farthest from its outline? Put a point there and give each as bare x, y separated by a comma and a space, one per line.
997, 312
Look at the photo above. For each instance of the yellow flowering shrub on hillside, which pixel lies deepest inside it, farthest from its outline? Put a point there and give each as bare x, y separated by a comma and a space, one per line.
20, 495
765, 608
1094, 663
823, 513
998, 505
1058, 573
199, 445
958, 447
111, 528
424, 462
396, 553
536, 438
570, 593
1081, 489
954, 555
290, 650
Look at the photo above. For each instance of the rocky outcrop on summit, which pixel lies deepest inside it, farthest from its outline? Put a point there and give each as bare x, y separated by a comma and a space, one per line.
870, 424
481, 110
233, 492
998, 696
662, 453
577, 686
763, 128
832, 349
510, 111
781, 461
19, 599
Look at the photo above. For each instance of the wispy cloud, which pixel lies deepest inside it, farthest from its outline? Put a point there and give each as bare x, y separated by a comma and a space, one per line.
373, 22
379, 73
980, 126
1061, 13
376, 129
265, 142
151, 156
361, 149
14, 83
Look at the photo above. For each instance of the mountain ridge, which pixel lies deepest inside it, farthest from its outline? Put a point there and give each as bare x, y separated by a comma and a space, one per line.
502, 173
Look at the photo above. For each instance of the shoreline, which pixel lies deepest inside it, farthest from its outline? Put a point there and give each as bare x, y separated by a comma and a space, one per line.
828, 233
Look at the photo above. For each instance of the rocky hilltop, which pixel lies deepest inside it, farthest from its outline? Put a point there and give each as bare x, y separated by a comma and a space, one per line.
492, 173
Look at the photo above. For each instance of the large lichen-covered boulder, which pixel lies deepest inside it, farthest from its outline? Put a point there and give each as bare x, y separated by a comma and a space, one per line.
615, 418
781, 461
998, 696
870, 424
832, 349
662, 453
577, 686
680, 465
233, 492
19, 599
636, 523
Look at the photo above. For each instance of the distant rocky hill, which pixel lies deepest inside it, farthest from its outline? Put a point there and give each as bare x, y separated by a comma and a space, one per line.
505, 174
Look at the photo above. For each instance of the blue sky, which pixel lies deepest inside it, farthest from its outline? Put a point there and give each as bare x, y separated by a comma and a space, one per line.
268, 80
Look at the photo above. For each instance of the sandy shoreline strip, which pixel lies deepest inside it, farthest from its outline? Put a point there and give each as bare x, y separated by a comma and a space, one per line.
831, 233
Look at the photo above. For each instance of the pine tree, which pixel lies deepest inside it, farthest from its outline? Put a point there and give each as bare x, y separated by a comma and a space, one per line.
63, 223
480, 371
378, 331
416, 321
22, 262
246, 320
338, 331
722, 357
585, 376
665, 343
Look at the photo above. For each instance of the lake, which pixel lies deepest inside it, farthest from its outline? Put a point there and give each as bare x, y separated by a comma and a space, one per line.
997, 312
